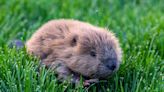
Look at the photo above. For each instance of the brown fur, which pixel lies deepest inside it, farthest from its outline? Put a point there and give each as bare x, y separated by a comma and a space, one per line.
67, 45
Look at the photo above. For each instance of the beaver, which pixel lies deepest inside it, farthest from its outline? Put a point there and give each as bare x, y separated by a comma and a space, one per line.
70, 47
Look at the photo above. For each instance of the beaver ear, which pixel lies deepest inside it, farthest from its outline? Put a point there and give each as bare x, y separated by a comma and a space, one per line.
74, 40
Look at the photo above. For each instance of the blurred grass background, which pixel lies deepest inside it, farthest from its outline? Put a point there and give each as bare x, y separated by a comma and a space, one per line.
139, 25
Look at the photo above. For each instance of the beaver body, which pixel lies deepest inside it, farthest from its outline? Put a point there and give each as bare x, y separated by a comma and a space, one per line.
71, 46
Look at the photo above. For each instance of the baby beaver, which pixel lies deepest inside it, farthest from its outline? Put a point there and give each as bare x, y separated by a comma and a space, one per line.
74, 48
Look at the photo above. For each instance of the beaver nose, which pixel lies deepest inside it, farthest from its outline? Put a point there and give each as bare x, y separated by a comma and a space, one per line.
111, 65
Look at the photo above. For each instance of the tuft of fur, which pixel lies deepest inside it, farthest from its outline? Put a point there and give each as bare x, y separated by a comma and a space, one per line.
71, 46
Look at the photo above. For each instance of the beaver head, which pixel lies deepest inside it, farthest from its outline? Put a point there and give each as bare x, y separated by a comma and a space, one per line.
92, 53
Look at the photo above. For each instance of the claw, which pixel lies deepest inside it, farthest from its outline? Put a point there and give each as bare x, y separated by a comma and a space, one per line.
90, 81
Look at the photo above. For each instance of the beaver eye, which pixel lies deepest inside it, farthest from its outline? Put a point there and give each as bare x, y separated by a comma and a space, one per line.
93, 54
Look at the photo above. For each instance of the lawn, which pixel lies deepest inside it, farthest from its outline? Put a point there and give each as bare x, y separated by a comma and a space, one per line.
139, 25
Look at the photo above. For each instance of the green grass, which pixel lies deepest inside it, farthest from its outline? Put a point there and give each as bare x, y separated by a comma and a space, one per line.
139, 24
